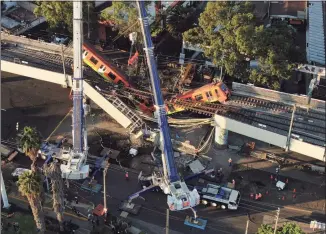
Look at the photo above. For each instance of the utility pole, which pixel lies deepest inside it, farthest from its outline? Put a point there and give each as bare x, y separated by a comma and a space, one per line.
104, 184
167, 221
276, 221
4, 194
88, 32
288, 140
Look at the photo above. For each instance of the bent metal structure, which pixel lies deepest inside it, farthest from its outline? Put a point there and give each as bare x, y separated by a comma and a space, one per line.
279, 140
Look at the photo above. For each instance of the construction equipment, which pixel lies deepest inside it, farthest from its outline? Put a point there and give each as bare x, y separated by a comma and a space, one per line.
76, 167
179, 195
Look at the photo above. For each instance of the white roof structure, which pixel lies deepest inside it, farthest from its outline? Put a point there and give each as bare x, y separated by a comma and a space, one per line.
316, 34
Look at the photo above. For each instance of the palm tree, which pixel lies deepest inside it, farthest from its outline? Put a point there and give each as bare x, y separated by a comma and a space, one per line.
53, 171
30, 143
29, 185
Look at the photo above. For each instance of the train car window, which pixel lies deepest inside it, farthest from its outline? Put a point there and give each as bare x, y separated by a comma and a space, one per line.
216, 91
209, 94
93, 60
189, 99
120, 83
103, 67
199, 97
111, 75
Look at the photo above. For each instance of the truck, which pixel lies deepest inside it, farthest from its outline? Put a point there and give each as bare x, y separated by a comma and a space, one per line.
217, 195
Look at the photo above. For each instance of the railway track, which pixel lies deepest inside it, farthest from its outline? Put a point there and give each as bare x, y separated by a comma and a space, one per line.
275, 117
273, 107
277, 124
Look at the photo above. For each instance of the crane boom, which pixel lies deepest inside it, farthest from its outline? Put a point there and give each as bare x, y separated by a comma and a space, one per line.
77, 87
76, 168
160, 107
179, 196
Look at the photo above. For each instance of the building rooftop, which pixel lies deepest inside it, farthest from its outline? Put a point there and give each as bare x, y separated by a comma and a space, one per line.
316, 33
288, 9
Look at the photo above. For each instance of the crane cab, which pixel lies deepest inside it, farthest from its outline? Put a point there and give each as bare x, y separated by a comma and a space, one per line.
181, 198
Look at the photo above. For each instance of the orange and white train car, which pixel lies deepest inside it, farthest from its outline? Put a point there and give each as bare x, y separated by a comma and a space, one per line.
213, 92
103, 67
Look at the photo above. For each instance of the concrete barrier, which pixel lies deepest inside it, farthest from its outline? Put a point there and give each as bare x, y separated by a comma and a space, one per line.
278, 96
304, 148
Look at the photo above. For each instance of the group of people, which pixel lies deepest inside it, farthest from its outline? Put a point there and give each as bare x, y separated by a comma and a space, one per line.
257, 196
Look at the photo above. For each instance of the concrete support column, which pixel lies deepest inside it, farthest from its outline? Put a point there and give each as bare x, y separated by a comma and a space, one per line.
221, 136
4, 194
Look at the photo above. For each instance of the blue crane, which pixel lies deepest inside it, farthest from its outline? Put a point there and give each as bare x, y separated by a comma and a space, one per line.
179, 196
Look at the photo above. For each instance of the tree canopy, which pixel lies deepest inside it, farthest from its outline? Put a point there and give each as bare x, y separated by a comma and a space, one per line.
228, 34
60, 14
287, 228
30, 143
29, 184
180, 19
57, 14
123, 15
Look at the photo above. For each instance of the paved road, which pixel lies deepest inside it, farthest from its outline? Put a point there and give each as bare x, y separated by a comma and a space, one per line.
154, 207
219, 221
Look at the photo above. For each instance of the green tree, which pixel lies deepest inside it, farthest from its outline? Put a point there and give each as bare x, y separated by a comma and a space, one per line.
265, 229
30, 185
228, 34
274, 53
57, 14
53, 171
123, 14
60, 14
179, 20
287, 228
30, 142
290, 228
222, 33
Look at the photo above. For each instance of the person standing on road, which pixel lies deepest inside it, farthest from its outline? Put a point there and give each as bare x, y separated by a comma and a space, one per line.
127, 175
230, 162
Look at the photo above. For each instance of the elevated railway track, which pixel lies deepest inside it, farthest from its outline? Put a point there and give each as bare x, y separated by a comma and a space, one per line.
271, 116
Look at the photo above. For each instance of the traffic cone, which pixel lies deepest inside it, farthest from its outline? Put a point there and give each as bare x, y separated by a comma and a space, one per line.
294, 190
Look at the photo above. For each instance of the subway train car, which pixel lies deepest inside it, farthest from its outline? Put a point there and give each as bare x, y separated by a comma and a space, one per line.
213, 92
106, 69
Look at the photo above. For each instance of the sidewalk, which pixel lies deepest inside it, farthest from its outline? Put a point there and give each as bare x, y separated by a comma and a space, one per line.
80, 221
